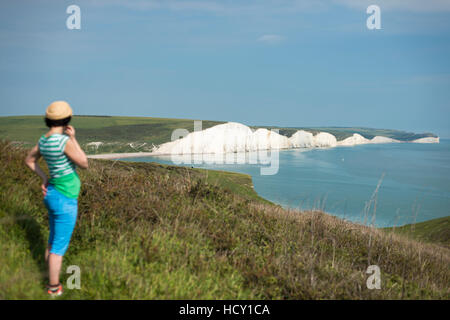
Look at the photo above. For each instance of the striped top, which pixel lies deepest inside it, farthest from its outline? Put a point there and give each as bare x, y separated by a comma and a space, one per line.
52, 149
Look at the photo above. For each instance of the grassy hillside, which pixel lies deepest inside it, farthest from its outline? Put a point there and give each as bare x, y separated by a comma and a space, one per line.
131, 134
147, 231
435, 231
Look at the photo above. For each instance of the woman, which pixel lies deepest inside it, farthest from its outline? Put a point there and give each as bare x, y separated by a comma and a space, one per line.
62, 153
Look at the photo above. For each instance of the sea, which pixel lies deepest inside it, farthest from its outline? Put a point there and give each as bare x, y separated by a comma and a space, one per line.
383, 185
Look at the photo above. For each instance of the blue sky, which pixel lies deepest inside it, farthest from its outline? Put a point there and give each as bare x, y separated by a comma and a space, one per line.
265, 62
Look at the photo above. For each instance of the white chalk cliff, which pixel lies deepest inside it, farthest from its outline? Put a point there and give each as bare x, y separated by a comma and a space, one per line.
224, 138
427, 140
381, 139
355, 139
305, 139
236, 137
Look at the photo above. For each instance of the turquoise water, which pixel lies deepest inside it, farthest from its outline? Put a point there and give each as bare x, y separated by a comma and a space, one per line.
341, 181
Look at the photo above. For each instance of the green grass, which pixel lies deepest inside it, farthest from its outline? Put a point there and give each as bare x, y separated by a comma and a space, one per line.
435, 231
118, 132
148, 231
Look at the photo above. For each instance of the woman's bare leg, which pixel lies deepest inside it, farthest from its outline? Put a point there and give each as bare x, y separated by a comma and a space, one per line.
54, 268
47, 252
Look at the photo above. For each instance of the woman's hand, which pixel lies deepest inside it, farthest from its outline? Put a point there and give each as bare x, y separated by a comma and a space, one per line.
31, 162
74, 151
70, 131
44, 187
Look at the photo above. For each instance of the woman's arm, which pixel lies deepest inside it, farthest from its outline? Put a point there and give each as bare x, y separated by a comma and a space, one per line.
74, 151
31, 162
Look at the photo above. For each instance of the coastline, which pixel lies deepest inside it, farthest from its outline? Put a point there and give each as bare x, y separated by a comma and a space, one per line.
232, 137
345, 151
112, 156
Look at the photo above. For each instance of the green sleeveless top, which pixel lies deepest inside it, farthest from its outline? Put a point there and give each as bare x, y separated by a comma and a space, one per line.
62, 170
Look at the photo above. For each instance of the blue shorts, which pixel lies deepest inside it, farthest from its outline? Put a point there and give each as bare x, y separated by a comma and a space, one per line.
62, 214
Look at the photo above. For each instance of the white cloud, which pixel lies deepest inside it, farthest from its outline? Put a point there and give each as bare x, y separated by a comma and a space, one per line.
271, 38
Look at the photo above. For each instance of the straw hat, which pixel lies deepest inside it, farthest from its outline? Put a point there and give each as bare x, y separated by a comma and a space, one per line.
58, 110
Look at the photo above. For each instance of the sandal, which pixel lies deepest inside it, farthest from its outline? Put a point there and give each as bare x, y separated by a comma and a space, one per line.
55, 290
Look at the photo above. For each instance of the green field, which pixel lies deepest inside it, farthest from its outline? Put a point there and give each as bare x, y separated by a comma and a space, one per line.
115, 132
150, 231
132, 134
434, 231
